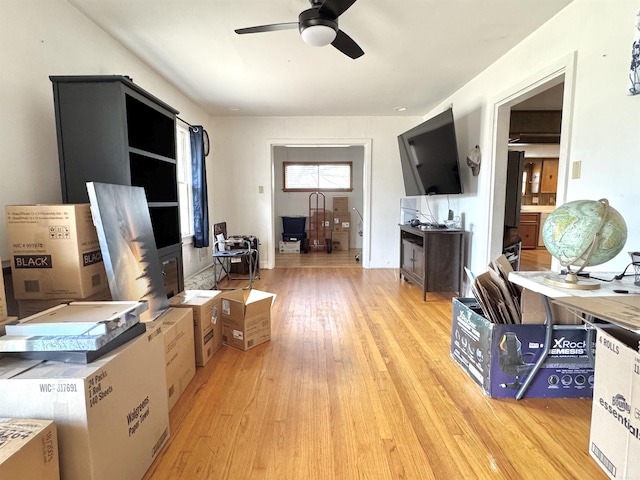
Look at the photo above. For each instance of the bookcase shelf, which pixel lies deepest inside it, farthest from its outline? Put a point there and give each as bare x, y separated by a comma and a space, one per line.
112, 131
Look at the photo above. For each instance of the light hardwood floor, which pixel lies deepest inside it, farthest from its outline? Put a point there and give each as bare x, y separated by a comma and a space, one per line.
357, 383
318, 258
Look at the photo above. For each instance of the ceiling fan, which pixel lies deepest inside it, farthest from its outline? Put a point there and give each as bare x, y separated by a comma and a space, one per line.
318, 26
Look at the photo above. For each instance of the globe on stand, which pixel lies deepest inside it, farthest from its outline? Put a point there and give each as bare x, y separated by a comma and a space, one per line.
583, 233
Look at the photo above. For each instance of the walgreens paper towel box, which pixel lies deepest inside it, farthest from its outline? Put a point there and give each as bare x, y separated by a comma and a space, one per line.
111, 415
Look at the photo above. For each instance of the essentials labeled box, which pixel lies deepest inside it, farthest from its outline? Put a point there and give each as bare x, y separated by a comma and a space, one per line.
179, 350
207, 323
340, 241
246, 318
341, 222
614, 441
111, 415
289, 247
340, 204
499, 358
28, 449
55, 252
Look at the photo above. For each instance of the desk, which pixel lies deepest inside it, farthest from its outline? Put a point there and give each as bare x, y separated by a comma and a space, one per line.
534, 281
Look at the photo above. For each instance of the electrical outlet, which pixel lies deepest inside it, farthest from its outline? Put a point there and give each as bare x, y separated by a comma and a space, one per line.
260, 189
576, 170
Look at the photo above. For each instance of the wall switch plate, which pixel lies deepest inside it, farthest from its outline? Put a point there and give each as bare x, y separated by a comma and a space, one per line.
576, 170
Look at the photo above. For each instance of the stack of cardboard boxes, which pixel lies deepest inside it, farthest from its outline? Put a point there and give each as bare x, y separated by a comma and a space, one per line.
111, 414
341, 224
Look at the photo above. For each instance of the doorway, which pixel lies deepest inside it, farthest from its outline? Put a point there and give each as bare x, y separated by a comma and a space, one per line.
532, 172
559, 75
356, 151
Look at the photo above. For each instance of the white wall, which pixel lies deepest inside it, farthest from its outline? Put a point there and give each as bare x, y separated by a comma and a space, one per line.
242, 156
604, 133
39, 38
49, 37
297, 203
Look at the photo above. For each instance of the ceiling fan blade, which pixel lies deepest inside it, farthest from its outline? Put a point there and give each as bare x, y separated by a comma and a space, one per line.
268, 28
335, 8
347, 45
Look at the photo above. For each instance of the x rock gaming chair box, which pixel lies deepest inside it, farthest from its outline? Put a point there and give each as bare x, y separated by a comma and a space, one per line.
500, 357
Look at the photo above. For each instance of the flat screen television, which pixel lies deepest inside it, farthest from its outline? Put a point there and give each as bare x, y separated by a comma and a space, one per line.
429, 157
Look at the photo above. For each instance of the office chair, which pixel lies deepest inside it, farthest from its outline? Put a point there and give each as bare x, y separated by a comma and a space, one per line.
512, 361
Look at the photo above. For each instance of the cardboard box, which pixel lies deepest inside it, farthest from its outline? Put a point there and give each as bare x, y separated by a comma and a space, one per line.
500, 357
614, 441
111, 415
289, 247
340, 204
340, 240
207, 323
7, 321
55, 252
246, 318
179, 350
533, 312
28, 449
26, 308
342, 222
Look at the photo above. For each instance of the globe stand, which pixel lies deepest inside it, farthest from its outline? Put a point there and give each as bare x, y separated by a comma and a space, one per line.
571, 280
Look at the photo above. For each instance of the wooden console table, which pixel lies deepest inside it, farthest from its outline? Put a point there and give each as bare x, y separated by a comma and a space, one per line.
432, 259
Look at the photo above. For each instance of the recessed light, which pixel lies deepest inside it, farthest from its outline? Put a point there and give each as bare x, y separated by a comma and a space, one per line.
234, 109
400, 109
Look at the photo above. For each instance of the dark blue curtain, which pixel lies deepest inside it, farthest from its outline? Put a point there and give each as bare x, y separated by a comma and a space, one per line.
199, 189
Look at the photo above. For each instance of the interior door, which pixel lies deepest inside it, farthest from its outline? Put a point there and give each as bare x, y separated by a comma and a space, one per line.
513, 188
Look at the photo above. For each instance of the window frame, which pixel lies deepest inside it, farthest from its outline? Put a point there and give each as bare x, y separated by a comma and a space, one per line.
183, 169
317, 189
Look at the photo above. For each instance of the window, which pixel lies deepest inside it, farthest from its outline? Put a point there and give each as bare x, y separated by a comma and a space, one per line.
312, 177
183, 146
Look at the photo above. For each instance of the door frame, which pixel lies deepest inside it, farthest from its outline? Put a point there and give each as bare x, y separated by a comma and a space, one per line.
365, 257
562, 71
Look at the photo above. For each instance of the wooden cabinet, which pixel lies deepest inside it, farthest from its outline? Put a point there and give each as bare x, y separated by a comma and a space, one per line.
413, 257
549, 176
432, 259
112, 131
529, 224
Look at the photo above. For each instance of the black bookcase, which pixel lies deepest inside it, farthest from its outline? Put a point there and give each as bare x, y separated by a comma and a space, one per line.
112, 131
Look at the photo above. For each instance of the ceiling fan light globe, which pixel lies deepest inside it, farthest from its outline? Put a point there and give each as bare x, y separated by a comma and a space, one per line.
318, 35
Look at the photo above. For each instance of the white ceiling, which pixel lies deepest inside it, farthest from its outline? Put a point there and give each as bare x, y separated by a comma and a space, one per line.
416, 52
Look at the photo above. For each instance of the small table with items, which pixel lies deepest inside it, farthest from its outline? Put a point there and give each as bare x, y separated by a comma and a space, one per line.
238, 258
